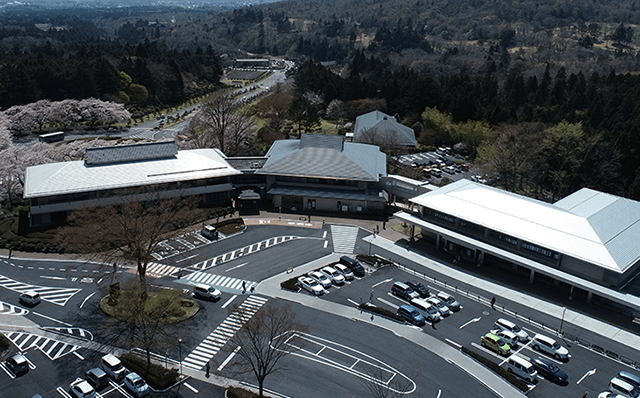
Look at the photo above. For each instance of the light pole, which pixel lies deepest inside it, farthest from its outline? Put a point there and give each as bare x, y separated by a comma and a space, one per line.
180, 354
562, 320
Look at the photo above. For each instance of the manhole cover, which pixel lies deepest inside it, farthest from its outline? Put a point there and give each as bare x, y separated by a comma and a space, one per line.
485, 313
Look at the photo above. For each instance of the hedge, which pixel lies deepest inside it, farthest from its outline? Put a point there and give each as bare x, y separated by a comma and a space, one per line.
236, 392
158, 376
373, 260
290, 284
521, 385
381, 311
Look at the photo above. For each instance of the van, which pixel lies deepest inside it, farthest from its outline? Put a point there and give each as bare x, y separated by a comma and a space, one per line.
206, 292
521, 368
505, 324
619, 386
346, 272
403, 291
428, 311
98, 378
113, 367
30, 297
353, 265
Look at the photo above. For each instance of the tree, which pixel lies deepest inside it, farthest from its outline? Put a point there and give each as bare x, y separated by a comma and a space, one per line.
378, 384
132, 227
264, 340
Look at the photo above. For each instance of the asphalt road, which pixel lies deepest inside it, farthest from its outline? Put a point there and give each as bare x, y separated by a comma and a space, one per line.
71, 306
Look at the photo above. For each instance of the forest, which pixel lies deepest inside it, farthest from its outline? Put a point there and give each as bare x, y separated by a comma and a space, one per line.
513, 66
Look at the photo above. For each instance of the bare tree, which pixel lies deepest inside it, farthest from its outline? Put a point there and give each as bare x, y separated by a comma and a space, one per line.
386, 383
133, 227
221, 123
265, 339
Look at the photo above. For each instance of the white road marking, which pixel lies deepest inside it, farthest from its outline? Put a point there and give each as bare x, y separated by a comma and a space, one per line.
187, 258
237, 266
52, 319
78, 355
589, 373
453, 343
85, 300
229, 301
387, 303
326, 242
57, 278
190, 387
381, 282
324, 235
470, 322
229, 358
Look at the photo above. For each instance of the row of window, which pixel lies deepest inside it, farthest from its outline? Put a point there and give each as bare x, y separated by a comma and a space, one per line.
309, 180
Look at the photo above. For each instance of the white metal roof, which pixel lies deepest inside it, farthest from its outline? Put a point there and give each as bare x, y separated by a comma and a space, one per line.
572, 232
76, 177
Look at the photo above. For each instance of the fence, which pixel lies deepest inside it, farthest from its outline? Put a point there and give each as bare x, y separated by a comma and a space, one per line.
635, 364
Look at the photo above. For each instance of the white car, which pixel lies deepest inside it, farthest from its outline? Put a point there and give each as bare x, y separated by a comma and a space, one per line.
550, 347
505, 324
451, 302
508, 337
320, 278
333, 275
310, 285
440, 305
609, 394
81, 388
346, 272
136, 385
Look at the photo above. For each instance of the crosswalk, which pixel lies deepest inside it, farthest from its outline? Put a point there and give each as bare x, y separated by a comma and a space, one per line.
344, 238
52, 348
75, 332
55, 295
223, 333
221, 282
243, 251
156, 270
10, 309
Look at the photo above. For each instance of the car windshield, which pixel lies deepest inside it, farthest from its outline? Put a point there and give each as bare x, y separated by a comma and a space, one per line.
138, 383
414, 313
516, 329
312, 282
553, 368
501, 342
556, 346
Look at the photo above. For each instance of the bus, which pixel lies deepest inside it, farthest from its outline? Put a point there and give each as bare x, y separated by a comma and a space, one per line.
52, 137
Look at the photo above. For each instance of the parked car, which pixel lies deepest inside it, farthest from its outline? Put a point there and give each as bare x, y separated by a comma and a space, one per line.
310, 285
206, 292
80, 388
623, 388
98, 378
428, 311
136, 385
450, 301
403, 291
550, 347
508, 336
436, 172
449, 170
419, 288
478, 179
609, 394
412, 315
495, 343
346, 272
320, 278
18, 364
113, 367
549, 371
333, 275
353, 265
629, 378
440, 305
522, 368
505, 324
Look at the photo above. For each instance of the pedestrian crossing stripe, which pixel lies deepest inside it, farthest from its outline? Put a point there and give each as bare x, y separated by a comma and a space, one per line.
223, 258
344, 238
55, 295
220, 281
210, 346
52, 348
156, 270
10, 309
75, 332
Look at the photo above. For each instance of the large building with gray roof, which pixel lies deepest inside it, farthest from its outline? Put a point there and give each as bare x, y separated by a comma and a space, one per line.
588, 236
55, 189
379, 128
322, 172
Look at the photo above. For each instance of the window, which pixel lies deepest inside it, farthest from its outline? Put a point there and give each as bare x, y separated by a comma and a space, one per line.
540, 250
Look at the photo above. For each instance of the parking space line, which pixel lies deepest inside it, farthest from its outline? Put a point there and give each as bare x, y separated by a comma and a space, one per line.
190, 387
228, 359
229, 301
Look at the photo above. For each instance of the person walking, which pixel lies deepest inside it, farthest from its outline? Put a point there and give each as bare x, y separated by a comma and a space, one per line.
208, 368
493, 301
585, 394
244, 287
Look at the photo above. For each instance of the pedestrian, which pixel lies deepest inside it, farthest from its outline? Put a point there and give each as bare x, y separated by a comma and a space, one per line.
309, 218
208, 369
244, 287
374, 232
252, 288
433, 325
585, 394
378, 229
384, 225
493, 301
323, 222
11, 249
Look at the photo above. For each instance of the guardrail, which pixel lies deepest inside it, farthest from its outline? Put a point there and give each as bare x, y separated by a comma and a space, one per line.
630, 362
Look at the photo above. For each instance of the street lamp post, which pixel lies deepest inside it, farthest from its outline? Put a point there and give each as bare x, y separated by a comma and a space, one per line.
180, 354
562, 320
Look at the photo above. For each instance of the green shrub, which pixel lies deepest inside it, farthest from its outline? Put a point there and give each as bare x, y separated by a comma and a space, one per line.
4, 343
373, 260
290, 284
381, 311
157, 377
521, 385
236, 392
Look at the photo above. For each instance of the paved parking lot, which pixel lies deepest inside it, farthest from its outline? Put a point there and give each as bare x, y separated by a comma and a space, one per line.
425, 157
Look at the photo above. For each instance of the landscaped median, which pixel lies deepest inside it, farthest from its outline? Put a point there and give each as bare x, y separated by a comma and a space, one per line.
519, 384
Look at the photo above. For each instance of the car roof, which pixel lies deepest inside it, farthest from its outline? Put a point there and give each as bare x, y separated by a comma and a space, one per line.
506, 322
544, 338
19, 358
133, 376
83, 385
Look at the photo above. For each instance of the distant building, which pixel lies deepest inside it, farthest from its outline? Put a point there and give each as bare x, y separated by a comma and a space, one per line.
252, 63
325, 173
378, 128
55, 189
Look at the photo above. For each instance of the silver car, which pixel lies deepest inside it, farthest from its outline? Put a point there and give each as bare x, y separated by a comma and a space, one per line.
440, 305
333, 275
346, 272
310, 285
320, 278
451, 302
